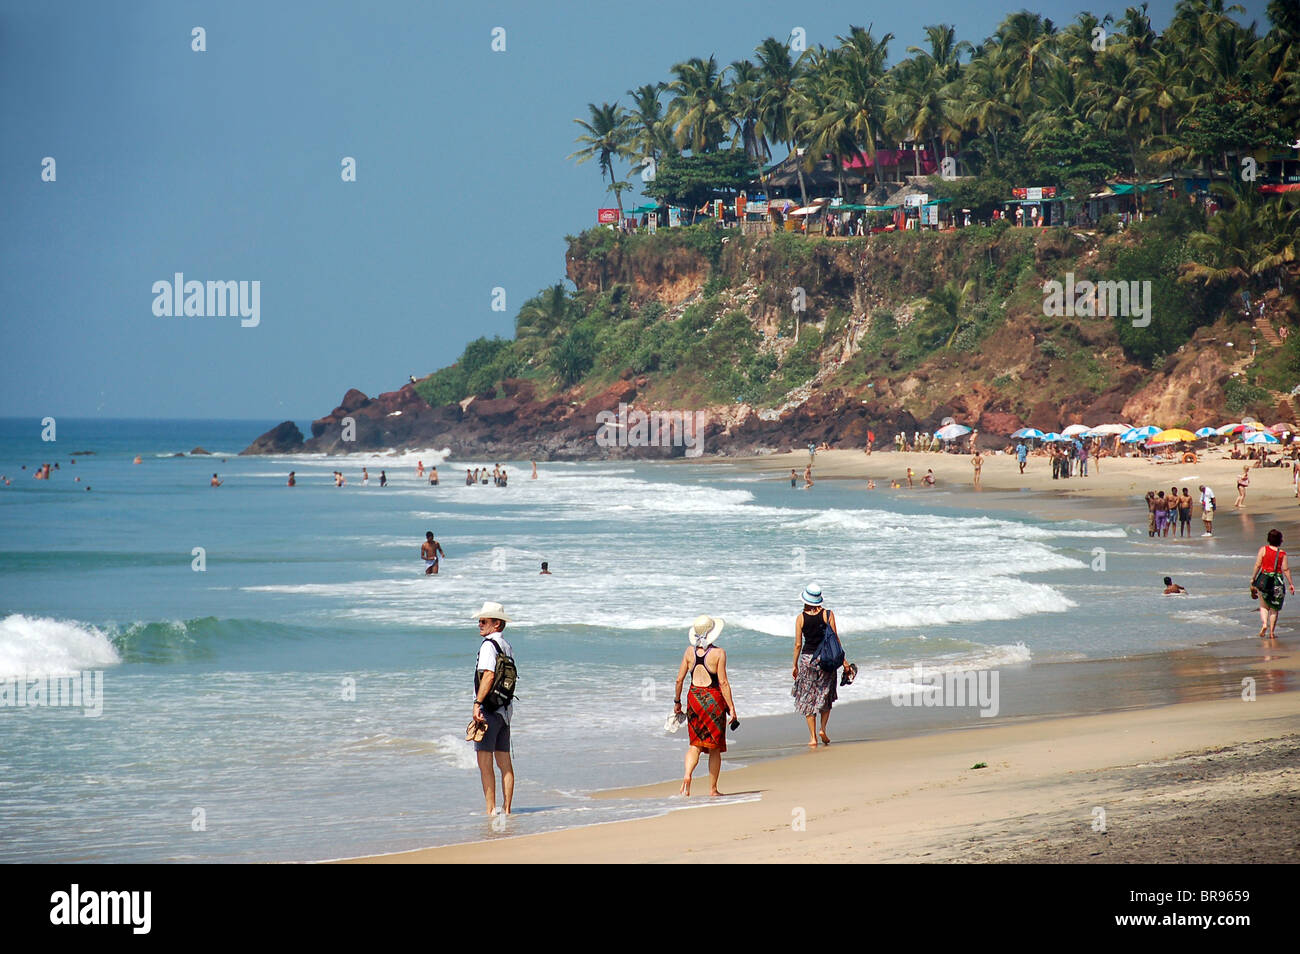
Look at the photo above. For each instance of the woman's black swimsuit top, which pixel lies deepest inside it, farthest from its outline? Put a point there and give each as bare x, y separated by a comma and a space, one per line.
699, 661
814, 630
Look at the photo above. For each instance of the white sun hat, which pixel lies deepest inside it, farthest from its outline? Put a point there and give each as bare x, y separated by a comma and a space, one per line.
492, 610
704, 631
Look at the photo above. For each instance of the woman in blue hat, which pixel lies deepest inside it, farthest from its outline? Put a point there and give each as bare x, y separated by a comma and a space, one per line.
814, 687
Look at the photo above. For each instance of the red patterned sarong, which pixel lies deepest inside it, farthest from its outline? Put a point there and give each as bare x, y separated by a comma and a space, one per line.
706, 718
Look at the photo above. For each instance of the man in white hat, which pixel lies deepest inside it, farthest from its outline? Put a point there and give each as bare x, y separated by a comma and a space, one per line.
709, 704
495, 743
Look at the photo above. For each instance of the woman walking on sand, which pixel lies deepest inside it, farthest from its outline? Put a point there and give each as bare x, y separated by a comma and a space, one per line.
709, 704
1242, 483
814, 687
1266, 579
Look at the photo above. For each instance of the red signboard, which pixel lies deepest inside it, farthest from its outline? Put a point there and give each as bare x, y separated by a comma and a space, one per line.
1034, 193
607, 216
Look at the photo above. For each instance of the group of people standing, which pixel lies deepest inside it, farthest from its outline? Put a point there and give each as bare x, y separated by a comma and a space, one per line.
482, 475
1171, 514
710, 709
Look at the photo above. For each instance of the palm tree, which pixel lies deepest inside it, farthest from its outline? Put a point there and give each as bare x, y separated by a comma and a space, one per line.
700, 113
1240, 244
985, 104
543, 315
606, 136
1026, 46
650, 137
780, 97
746, 110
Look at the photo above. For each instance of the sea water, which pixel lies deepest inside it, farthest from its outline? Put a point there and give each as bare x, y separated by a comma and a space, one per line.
281, 680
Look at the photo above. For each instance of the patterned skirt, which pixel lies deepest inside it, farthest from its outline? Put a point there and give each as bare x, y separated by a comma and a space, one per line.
814, 688
706, 718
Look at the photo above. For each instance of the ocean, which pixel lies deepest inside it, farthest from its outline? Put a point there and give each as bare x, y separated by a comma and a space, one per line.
281, 681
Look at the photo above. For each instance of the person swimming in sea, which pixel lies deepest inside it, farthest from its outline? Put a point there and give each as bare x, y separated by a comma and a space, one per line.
383, 479
214, 482
469, 478
429, 551
365, 476
794, 477
545, 569
1172, 588
807, 477
293, 482
433, 476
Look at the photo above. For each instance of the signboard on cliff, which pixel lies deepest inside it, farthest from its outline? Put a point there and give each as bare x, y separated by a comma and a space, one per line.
607, 216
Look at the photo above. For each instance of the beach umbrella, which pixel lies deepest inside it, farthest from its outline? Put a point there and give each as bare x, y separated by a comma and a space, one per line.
1076, 429
1053, 437
1029, 432
1109, 429
952, 432
1232, 429
1172, 436
1207, 432
1281, 428
1131, 436
1147, 432
1261, 437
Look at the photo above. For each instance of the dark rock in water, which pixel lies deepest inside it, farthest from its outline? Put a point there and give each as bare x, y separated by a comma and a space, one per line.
179, 454
284, 438
83, 453
200, 450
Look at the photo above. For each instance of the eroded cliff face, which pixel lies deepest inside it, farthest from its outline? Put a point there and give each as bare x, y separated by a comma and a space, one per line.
1026, 369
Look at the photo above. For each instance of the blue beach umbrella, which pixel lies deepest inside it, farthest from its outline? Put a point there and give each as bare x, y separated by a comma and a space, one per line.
1207, 432
1261, 437
1029, 432
1053, 437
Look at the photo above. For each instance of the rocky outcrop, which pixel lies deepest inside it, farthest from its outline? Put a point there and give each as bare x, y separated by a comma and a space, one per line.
284, 438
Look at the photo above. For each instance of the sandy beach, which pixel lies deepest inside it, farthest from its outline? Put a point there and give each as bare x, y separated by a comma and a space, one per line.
1210, 781
1185, 757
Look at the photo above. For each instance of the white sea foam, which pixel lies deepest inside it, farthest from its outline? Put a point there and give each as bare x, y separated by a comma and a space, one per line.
38, 644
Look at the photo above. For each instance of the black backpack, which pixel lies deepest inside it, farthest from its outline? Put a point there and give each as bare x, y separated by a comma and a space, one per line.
502, 692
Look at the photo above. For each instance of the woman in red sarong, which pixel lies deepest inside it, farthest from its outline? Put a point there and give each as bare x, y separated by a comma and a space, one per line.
709, 705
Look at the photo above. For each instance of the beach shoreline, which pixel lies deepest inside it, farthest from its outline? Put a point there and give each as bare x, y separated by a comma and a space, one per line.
1157, 721
1203, 780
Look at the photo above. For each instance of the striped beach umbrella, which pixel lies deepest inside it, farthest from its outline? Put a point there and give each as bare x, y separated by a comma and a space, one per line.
1074, 430
1109, 429
1207, 432
1053, 437
1260, 437
1032, 432
951, 432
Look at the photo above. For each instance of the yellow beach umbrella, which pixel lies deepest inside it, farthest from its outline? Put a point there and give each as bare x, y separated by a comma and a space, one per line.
1173, 434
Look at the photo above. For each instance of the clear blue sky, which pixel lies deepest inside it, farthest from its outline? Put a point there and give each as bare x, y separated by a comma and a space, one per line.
225, 165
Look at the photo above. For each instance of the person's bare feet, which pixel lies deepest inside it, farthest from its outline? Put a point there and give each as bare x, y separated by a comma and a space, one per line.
824, 737
717, 794
686, 788
812, 743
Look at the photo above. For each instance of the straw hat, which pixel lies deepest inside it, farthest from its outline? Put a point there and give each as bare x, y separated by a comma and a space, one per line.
704, 631
492, 610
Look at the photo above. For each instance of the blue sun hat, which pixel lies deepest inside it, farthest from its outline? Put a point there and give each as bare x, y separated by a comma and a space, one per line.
812, 594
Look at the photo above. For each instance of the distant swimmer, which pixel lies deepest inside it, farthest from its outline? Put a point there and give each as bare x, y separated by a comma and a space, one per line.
433, 476
871, 485
504, 478
794, 477
469, 477
429, 551
534, 477
136, 461
419, 469
293, 480
365, 476
215, 482
383, 479
339, 479
807, 477
1172, 588
545, 569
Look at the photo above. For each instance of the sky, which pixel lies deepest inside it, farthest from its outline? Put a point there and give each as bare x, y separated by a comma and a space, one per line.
226, 165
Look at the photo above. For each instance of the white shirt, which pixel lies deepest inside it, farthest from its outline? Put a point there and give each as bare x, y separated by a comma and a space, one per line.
1207, 498
487, 662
